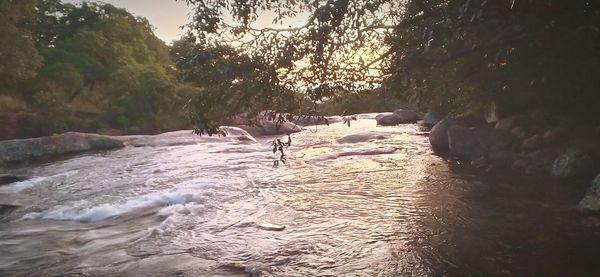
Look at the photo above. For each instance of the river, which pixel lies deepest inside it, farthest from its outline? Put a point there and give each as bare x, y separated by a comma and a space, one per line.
387, 206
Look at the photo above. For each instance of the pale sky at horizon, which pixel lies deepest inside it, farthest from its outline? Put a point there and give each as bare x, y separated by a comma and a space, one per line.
165, 15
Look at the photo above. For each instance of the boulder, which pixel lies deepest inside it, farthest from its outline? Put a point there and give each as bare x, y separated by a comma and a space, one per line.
591, 200
397, 117
431, 118
519, 132
438, 136
536, 163
462, 142
465, 143
554, 135
469, 120
268, 127
7, 179
532, 143
504, 159
362, 137
574, 162
389, 119
381, 115
509, 123
71, 142
407, 116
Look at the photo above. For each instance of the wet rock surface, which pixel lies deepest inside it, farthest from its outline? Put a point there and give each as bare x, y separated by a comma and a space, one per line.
67, 143
397, 117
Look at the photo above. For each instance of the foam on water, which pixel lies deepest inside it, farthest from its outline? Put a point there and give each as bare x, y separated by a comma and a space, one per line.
36, 181
176, 201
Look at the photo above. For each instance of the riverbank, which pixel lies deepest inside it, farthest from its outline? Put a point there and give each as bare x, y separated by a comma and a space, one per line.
533, 145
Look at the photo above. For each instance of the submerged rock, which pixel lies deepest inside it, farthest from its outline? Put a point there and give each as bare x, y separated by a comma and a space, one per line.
361, 137
509, 123
71, 142
532, 143
270, 226
432, 118
591, 200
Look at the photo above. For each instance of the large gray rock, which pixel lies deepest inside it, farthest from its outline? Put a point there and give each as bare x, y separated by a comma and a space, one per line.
591, 200
397, 117
268, 127
469, 120
519, 132
554, 135
7, 179
508, 123
71, 142
432, 118
362, 137
532, 143
438, 136
388, 119
574, 162
466, 143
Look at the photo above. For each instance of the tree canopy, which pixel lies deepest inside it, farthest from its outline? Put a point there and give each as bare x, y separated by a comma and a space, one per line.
87, 66
19, 57
458, 54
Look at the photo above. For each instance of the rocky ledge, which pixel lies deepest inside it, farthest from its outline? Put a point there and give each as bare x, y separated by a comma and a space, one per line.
72, 142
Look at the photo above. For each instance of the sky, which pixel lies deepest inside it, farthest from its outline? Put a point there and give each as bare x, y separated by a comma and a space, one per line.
165, 15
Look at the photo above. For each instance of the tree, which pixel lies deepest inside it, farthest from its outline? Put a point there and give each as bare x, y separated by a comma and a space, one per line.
459, 54
96, 39
231, 82
18, 55
98, 61
143, 94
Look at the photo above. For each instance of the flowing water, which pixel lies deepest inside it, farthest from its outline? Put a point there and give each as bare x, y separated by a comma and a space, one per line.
374, 204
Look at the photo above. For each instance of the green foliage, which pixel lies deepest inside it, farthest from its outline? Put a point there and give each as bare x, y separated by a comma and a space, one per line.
56, 116
232, 82
99, 62
143, 93
18, 56
463, 54
455, 54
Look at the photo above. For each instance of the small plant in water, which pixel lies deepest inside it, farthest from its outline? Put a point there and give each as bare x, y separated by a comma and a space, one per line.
278, 147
